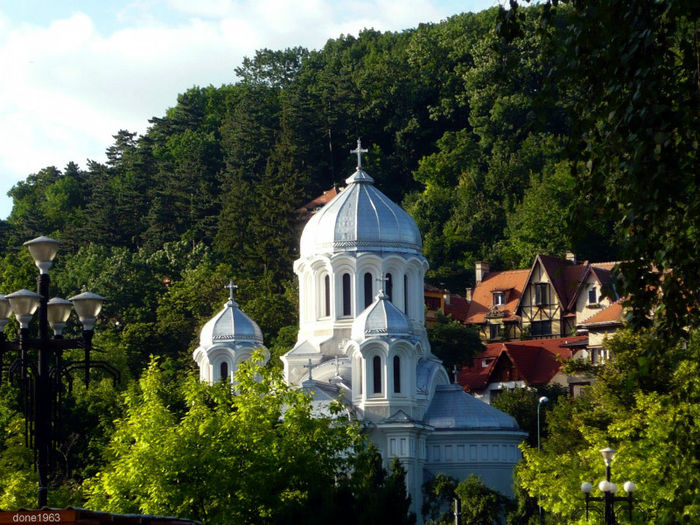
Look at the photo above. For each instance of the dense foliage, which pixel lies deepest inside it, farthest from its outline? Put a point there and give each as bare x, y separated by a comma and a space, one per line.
635, 68
249, 454
479, 505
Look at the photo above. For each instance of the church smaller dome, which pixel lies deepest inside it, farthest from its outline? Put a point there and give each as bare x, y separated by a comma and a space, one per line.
381, 318
231, 326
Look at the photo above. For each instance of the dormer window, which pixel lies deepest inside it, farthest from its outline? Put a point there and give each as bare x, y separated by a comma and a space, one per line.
499, 298
592, 295
486, 362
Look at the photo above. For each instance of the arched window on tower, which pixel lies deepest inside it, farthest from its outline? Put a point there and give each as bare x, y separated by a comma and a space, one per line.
397, 374
377, 374
405, 294
327, 295
346, 294
389, 287
368, 289
223, 371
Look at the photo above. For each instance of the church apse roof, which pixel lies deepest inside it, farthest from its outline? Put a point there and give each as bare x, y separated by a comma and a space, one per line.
454, 409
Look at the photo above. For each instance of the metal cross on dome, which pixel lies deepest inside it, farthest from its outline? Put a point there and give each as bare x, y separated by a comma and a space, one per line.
231, 287
359, 151
309, 366
382, 283
454, 374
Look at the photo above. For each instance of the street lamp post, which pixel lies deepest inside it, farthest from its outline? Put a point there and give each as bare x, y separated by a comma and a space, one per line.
608, 488
540, 402
40, 381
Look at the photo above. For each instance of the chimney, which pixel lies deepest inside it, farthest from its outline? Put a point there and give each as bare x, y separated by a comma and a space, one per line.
482, 269
468, 294
571, 256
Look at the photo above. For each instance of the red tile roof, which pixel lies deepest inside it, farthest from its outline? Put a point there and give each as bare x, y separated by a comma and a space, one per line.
511, 282
320, 201
536, 362
456, 306
610, 315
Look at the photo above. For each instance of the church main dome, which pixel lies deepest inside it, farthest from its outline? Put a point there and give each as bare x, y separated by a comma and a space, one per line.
361, 218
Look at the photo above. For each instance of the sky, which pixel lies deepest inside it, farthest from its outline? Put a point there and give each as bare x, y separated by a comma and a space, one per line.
74, 72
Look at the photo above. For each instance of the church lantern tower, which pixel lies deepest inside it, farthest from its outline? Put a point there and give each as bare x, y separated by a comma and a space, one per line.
226, 340
357, 240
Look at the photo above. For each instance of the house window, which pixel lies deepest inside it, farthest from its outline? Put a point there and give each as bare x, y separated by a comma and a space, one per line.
540, 328
494, 331
327, 295
499, 298
223, 371
592, 296
397, 374
368, 289
541, 294
486, 362
346, 294
377, 374
389, 287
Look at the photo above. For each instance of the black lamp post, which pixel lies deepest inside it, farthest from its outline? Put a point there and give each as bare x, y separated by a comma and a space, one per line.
609, 489
40, 379
540, 402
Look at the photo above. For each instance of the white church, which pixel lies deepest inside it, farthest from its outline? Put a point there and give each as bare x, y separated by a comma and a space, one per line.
362, 339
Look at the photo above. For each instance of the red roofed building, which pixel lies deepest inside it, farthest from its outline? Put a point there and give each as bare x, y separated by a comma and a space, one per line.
440, 299
519, 364
494, 302
549, 300
599, 326
311, 207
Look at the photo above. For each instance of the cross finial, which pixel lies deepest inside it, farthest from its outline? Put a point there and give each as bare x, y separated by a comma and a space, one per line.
231, 287
309, 366
454, 374
382, 284
359, 151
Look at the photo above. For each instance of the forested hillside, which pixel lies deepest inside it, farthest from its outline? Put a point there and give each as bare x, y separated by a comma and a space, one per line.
456, 128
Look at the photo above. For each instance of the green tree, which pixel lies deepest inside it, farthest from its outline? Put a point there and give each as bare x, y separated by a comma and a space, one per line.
452, 342
633, 66
652, 423
480, 504
521, 403
438, 500
219, 455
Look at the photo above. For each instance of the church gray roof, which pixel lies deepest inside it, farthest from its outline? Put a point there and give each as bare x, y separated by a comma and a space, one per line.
454, 409
360, 218
231, 326
381, 318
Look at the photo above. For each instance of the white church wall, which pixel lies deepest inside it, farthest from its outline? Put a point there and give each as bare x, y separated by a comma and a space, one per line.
489, 455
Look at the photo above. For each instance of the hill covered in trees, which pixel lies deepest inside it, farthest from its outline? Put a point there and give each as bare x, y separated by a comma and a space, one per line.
457, 130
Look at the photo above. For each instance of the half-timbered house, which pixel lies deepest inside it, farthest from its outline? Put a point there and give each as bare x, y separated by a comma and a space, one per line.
549, 300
